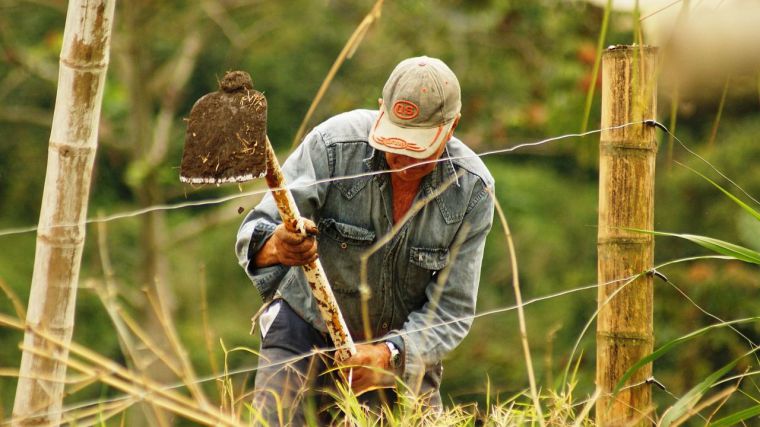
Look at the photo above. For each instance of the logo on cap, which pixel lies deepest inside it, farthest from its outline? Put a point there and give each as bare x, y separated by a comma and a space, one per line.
405, 110
399, 144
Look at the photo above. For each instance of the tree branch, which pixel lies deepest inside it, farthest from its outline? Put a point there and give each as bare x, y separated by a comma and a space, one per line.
28, 115
184, 65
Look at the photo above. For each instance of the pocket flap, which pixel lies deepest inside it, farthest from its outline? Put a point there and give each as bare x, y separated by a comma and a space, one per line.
429, 258
346, 232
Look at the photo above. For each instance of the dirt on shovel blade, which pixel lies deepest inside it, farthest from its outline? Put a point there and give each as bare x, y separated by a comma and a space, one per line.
226, 134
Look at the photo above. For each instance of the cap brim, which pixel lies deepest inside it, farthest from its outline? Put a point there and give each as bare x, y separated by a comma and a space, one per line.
419, 143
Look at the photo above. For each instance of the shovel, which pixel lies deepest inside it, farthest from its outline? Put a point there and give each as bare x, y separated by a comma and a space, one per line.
226, 142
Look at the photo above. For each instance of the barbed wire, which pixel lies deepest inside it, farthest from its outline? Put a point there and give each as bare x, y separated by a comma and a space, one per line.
654, 381
709, 314
223, 199
693, 153
327, 350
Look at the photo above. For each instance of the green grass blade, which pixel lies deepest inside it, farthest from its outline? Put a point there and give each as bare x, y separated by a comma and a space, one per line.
722, 247
687, 402
719, 114
737, 417
675, 100
725, 248
669, 345
736, 200
597, 64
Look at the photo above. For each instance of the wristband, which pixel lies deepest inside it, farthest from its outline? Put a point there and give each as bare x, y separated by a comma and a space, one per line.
395, 359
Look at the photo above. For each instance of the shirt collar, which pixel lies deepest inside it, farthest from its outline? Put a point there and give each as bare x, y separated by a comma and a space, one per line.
443, 172
374, 160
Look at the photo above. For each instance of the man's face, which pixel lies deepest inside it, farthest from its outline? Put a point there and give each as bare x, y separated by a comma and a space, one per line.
414, 173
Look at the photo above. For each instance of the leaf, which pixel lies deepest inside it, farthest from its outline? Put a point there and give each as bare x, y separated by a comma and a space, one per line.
737, 417
669, 345
739, 202
722, 247
687, 402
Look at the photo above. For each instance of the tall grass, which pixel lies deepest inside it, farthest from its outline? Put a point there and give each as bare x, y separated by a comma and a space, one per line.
230, 404
232, 407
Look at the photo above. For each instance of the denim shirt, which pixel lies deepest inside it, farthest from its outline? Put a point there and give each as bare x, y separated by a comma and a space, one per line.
426, 274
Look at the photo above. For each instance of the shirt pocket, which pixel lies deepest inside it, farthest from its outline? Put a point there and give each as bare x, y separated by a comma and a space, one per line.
340, 249
424, 265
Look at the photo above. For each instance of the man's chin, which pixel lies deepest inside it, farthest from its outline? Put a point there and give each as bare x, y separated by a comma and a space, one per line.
409, 175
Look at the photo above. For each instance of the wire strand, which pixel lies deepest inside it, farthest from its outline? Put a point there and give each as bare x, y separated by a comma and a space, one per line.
223, 199
246, 370
693, 153
327, 350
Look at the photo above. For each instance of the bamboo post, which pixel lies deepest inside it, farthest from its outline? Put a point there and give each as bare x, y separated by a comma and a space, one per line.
61, 230
626, 200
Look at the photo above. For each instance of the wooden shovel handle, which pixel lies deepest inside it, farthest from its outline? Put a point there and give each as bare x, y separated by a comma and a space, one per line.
315, 274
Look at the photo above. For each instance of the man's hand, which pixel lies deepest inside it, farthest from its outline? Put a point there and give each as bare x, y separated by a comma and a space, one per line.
370, 365
289, 248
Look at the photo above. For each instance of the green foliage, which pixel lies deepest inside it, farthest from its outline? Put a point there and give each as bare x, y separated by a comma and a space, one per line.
738, 417
715, 245
747, 208
685, 404
525, 70
516, 410
668, 346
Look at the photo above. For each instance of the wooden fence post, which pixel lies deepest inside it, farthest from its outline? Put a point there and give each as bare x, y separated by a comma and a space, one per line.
61, 230
626, 200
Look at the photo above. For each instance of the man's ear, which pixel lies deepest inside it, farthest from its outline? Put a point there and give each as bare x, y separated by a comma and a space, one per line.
456, 122
379, 102
453, 126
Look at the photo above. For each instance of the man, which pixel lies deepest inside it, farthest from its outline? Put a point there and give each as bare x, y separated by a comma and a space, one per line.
422, 282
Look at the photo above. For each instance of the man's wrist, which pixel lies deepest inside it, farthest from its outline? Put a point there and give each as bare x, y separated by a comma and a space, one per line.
386, 358
394, 356
265, 257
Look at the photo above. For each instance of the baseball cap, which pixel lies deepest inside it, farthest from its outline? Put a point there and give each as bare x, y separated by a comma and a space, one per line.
421, 101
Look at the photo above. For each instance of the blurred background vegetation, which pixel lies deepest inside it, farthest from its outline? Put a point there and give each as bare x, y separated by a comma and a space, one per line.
525, 69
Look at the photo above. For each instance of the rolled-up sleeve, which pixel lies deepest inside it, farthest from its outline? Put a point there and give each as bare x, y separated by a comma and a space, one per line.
302, 170
444, 320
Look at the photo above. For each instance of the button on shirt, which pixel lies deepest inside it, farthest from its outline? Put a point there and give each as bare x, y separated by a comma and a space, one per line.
422, 283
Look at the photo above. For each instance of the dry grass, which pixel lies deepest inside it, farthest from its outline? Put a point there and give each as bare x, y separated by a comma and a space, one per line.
230, 405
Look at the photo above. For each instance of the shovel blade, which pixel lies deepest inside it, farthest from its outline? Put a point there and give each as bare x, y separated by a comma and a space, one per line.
226, 133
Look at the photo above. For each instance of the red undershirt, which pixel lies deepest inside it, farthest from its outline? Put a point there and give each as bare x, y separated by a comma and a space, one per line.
404, 193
